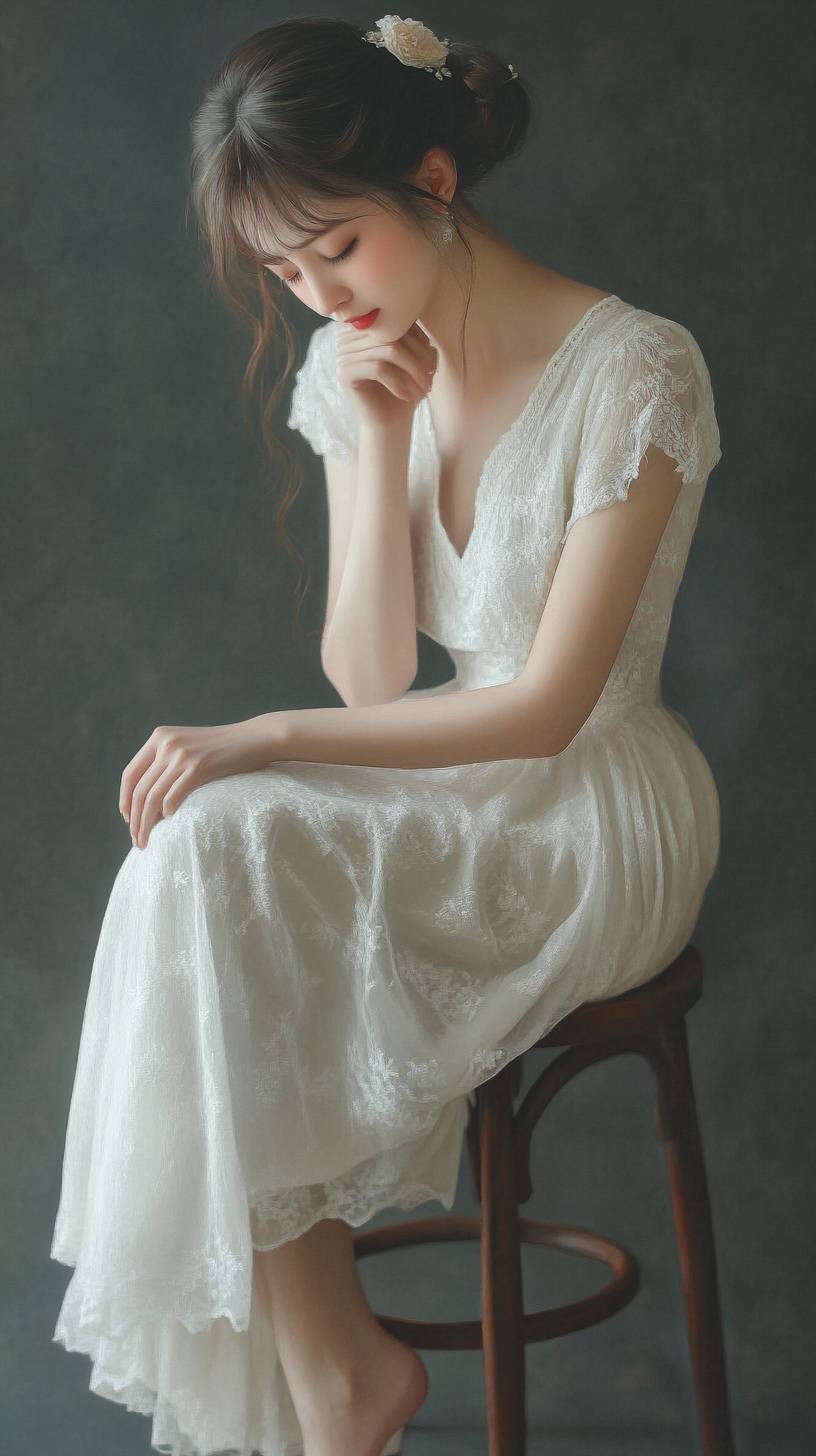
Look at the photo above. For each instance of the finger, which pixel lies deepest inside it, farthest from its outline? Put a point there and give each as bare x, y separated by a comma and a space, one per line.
422, 373
166, 800
389, 375
407, 356
132, 773
153, 805
426, 352
400, 364
412, 344
401, 383
420, 362
140, 794
178, 792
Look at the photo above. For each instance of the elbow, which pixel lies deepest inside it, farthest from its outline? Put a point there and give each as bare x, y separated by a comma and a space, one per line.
558, 737
546, 746
363, 676
539, 740
368, 690
562, 736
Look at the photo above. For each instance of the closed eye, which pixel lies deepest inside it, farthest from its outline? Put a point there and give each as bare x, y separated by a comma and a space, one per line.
296, 277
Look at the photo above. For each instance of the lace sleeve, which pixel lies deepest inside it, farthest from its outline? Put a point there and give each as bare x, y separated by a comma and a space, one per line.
653, 387
318, 407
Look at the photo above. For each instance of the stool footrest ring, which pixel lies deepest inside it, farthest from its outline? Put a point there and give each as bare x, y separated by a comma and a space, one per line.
546, 1324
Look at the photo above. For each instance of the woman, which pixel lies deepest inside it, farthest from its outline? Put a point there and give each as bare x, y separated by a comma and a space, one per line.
335, 923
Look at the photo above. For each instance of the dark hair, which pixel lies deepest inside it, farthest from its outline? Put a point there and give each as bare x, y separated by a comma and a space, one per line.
308, 108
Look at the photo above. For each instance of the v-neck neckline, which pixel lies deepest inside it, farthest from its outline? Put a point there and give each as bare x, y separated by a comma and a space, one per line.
506, 435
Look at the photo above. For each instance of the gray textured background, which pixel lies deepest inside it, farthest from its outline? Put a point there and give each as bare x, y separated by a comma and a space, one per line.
143, 585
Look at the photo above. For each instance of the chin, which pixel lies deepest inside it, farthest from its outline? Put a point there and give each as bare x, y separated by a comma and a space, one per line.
385, 330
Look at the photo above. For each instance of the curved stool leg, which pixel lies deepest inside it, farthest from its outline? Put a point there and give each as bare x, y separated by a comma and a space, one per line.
502, 1299
695, 1247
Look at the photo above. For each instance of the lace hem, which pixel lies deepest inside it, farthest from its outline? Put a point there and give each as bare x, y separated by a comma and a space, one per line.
130, 1365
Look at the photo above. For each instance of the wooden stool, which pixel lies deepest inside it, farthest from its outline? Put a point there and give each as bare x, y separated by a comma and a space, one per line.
649, 1020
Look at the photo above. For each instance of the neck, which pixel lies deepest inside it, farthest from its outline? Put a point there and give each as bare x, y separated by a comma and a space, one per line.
499, 323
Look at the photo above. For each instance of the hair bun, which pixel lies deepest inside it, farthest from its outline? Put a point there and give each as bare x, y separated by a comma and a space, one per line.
499, 111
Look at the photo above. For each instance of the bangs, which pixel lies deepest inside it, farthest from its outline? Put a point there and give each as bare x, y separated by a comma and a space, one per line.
255, 214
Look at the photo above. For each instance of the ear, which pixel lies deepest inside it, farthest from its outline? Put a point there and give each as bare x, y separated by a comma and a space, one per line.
437, 173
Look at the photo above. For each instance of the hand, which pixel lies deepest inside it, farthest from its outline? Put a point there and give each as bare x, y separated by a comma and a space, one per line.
175, 760
385, 381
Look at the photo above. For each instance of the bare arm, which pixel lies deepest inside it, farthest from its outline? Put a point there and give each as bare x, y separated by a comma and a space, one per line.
457, 727
369, 649
598, 581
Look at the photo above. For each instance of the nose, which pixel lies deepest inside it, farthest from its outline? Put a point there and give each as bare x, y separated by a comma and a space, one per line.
327, 299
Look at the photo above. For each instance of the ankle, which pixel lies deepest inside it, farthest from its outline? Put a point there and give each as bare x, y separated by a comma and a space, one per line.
338, 1379
348, 1372
342, 1385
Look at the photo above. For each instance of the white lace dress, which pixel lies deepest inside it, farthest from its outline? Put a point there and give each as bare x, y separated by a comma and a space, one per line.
302, 978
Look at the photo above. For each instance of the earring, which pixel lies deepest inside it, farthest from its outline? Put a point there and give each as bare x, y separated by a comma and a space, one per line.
444, 231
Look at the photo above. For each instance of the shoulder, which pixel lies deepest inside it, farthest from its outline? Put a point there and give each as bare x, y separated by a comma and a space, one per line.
654, 341
649, 380
641, 354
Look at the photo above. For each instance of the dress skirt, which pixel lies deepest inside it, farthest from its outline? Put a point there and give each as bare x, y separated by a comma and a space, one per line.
297, 987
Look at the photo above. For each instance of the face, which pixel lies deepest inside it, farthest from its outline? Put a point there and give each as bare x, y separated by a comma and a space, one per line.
374, 261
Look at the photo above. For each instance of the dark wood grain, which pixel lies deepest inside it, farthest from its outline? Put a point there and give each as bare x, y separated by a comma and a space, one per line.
648, 1021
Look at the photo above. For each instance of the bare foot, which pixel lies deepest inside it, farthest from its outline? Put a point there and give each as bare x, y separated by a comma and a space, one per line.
393, 1386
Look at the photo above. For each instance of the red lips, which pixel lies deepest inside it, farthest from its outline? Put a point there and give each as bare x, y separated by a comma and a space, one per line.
364, 320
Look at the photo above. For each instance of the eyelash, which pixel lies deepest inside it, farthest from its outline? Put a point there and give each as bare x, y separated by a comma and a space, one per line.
296, 277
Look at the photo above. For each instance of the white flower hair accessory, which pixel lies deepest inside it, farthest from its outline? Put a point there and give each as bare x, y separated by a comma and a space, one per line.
412, 43
415, 45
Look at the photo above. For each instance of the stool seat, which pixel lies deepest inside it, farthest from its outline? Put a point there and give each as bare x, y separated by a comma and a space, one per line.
664, 998
648, 1020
